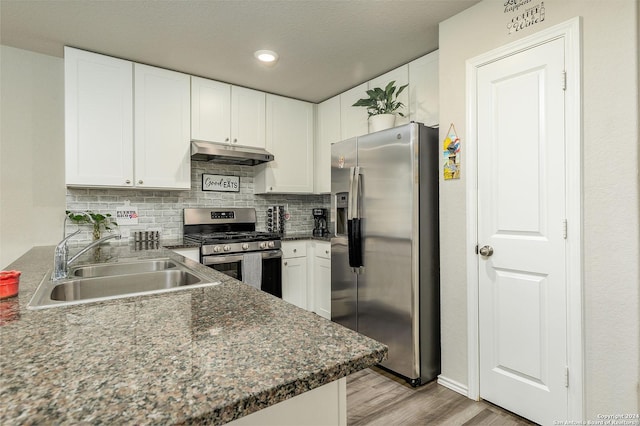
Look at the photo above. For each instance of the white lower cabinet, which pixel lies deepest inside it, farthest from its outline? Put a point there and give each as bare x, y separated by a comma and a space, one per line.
294, 273
306, 275
321, 279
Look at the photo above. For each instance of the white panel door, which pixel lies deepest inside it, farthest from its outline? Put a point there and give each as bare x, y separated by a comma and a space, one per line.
521, 217
248, 117
162, 128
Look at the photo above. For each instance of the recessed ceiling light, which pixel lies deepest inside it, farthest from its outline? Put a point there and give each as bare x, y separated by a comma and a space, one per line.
266, 56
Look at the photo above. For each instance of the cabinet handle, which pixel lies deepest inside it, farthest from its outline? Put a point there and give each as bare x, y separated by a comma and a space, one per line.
226, 140
295, 250
326, 251
128, 181
140, 182
235, 140
285, 263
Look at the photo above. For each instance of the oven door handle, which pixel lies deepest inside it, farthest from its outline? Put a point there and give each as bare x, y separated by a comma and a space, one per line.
219, 259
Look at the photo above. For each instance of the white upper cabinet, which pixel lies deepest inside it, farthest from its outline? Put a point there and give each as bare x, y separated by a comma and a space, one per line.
98, 119
290, 139
327, 132
354, 120
423, 90
248, 117
108, 143
401, 77
162, 131
210, 110
224, 113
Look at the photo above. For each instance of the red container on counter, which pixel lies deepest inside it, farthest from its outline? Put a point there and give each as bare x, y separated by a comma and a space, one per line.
9, 281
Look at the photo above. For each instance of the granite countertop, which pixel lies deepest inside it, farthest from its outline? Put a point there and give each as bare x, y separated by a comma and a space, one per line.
293, 236
207, 355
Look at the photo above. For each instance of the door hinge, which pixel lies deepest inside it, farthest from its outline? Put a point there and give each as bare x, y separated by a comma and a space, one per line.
476, 248
564, 80
564, 229
566, 377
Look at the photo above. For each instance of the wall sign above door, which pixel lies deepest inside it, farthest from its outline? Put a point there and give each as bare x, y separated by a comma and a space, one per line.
527, 14
220, 183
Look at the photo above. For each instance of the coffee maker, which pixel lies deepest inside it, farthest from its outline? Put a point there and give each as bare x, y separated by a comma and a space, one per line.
320, 223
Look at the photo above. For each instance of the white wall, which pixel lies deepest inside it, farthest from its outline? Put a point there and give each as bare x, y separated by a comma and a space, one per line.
610, 164
32, 191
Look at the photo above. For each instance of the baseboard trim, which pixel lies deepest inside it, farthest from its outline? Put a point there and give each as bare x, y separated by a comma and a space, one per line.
453, 385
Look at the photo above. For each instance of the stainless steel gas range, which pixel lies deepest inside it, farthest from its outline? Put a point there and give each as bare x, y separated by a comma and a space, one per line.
230, 244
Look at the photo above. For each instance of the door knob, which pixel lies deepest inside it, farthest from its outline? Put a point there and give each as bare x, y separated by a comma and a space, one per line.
486, 251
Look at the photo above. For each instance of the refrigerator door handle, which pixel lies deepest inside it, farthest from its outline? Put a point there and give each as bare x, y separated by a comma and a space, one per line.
351, 195
355, 229
353, 220
355, 190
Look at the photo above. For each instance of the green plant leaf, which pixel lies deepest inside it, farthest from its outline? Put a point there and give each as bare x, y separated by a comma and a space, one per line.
382, 101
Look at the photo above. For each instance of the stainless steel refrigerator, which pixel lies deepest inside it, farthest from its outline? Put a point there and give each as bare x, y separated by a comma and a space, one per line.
384, 245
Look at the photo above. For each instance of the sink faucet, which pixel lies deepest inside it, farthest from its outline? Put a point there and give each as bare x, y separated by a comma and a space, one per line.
60, 262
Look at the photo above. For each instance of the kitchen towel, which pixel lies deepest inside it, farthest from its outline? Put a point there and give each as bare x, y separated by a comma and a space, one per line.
252, 269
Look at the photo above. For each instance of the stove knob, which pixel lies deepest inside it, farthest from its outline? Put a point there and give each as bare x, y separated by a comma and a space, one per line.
272, 244
216, 249
245, 246
263, 245
227, 247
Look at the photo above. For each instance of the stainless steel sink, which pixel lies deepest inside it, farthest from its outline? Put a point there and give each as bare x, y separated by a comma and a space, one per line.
102, 282
109, 269
103, 287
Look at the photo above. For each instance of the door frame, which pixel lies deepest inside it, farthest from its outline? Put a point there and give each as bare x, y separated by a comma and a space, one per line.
570, 32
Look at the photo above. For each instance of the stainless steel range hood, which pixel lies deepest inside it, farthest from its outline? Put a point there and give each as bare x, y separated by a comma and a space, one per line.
228, 154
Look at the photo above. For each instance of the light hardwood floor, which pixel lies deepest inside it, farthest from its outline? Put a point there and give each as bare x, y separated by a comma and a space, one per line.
377, 398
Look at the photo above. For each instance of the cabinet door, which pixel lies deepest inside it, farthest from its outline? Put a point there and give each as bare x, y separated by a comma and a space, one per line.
248, 117
328, 132
423, 93
294, 281
322, 279
354, 120
162, 128
401, 77
290, 140
210, 110
98, 119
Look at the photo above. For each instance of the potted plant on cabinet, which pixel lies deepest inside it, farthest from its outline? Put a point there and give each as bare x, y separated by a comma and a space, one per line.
382, 105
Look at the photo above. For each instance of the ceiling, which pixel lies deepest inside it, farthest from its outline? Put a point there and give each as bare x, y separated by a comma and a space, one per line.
325, 46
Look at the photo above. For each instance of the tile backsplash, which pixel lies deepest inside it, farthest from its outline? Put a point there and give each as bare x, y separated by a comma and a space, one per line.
163, 210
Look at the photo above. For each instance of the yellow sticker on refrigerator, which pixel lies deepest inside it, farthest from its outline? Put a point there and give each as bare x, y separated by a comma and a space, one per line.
451, 154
